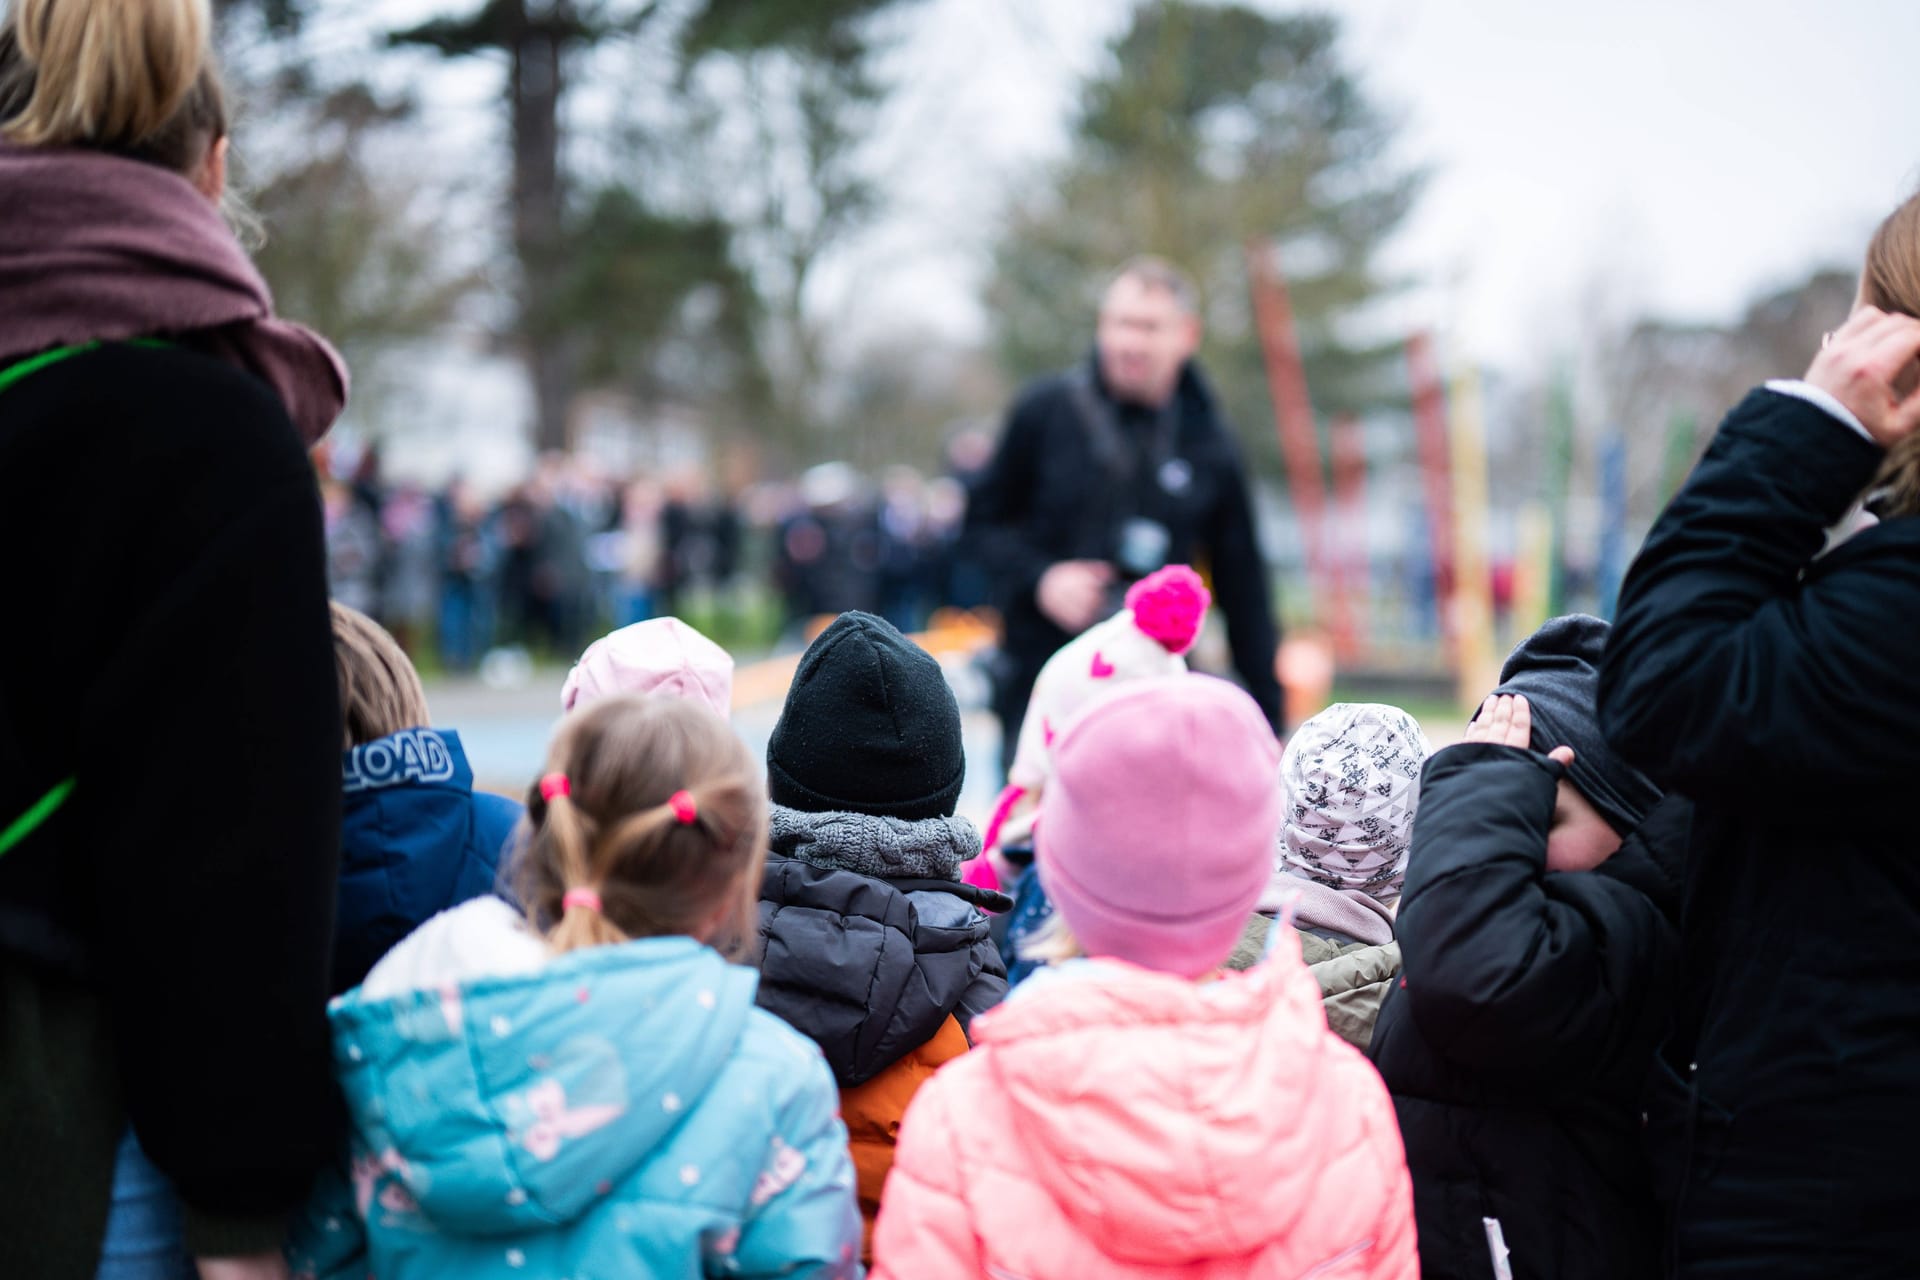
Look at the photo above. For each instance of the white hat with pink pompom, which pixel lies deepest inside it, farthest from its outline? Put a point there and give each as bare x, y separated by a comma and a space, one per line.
1149, 637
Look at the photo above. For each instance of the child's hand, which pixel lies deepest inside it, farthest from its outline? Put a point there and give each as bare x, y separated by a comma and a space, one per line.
1507, 721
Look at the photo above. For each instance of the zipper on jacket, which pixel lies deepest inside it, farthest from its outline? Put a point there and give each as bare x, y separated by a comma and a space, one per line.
1345, 1255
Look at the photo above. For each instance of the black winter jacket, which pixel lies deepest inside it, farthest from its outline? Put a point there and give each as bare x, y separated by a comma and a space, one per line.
1048, 497
165, 938
1518, 1041
869, 969
1783, 692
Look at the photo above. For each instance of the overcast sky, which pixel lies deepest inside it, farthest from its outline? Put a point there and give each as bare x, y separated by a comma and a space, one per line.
1663, 156
1666, 155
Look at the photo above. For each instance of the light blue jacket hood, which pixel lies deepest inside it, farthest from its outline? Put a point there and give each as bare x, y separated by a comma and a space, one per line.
517, 1103
623, 1111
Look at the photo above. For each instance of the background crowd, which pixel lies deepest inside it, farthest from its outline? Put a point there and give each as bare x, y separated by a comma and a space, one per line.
1619, 984
570, 551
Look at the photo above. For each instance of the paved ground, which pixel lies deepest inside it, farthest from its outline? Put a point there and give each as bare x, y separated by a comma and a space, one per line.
505, 730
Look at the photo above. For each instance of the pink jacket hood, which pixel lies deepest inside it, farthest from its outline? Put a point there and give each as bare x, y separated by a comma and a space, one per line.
1117, 1122
1166, 1152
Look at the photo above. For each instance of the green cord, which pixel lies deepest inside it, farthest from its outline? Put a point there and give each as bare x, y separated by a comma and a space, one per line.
49, 804
44, 808
34, 364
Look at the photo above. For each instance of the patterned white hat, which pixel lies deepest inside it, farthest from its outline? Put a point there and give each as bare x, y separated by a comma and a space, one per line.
1349, 783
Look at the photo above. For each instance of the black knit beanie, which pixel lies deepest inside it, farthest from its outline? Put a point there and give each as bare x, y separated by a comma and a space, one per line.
869, 726
1557, 668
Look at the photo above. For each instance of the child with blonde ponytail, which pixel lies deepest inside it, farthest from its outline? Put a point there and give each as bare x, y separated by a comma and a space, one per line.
588, 1090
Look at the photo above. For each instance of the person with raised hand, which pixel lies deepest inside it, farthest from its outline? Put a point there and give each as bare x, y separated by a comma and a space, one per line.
1775, 677
1537, 931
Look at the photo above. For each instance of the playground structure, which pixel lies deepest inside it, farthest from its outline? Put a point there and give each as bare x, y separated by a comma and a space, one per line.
1334, 638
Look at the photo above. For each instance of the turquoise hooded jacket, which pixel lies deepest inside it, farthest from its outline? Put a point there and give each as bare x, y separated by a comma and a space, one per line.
626, 1111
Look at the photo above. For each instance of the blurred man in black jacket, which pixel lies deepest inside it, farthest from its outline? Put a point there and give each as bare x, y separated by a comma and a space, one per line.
1109, 471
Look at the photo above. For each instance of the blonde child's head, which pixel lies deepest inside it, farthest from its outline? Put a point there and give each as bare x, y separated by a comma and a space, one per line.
380, 692
650, 820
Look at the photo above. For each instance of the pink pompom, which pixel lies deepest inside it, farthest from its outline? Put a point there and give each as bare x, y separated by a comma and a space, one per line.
1170, 605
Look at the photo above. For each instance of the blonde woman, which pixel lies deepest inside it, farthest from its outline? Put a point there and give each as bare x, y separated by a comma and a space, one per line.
169, 725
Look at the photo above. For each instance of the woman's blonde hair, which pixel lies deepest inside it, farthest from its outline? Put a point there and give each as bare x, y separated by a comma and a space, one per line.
380, 692
1890, 280
130, 76
613, 831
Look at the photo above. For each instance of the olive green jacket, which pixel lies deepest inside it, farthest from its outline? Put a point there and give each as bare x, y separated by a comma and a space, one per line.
1354, 977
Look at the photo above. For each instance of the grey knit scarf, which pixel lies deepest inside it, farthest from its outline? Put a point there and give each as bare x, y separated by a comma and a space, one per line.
886, 848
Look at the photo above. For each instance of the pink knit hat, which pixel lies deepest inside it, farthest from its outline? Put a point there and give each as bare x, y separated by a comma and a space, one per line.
1156, 834
663, 656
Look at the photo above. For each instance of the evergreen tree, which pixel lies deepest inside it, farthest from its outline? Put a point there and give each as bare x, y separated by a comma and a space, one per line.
1212, 126
593, 301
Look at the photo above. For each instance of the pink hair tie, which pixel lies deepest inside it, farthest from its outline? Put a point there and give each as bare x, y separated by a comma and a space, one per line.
589, 899
554, 785
684, 809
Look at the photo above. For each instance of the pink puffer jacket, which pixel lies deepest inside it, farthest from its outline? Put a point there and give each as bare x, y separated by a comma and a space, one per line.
1116, 1122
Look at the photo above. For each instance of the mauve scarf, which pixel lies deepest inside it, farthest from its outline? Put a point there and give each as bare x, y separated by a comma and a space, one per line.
1347, 912
96, 247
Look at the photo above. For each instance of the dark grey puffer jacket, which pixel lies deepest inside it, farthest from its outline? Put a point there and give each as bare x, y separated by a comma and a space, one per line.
869, 968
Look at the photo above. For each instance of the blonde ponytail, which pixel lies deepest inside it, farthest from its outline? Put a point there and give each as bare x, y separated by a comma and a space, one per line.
106, 73
650, 821
581, 922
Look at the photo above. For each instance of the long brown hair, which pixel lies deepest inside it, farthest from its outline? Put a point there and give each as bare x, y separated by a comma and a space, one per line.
613, 831
1891, 281
135, 77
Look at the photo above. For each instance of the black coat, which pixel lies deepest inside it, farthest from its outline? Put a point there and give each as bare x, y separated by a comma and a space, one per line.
1049, 496
1518, 1040
1783, 692
869, 969
164, 938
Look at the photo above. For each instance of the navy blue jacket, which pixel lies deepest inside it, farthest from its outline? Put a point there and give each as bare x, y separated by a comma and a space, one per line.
416, 839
